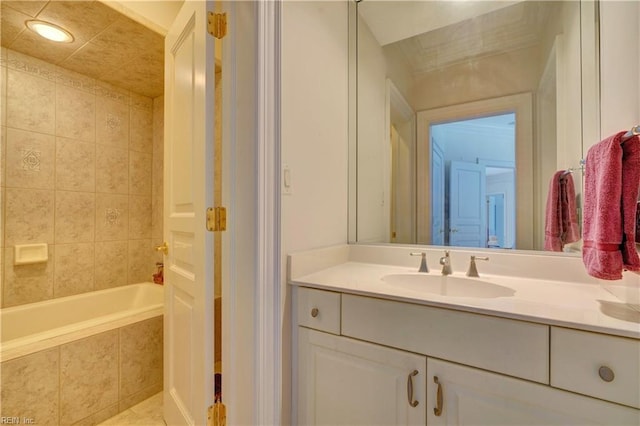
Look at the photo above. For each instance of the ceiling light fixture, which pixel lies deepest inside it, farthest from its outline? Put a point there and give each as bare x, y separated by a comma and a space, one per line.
50, 31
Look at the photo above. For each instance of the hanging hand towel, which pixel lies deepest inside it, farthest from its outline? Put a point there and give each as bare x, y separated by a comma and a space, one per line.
609, 184
561, 219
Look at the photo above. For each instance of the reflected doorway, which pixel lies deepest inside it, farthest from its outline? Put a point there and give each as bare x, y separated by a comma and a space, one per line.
473, 171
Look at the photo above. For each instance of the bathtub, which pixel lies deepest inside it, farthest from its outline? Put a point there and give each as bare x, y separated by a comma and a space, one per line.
83, 358
36, 326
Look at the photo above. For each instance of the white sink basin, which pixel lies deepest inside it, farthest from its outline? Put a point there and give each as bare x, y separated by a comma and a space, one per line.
448, 285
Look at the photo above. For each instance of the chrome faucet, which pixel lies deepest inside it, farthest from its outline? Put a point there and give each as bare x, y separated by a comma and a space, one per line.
473, 270
445, 261
423, 261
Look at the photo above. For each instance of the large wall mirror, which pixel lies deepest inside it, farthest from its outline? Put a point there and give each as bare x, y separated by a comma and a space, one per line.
465, 110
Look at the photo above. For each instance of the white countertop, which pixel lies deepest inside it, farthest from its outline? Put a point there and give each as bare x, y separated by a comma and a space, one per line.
575, 305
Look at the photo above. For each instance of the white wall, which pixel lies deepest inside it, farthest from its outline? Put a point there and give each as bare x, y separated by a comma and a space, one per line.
619, 67
314, 141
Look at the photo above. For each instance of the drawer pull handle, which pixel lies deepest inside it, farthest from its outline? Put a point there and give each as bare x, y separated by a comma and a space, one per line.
606, 374
315, 312
410, 388
438, 408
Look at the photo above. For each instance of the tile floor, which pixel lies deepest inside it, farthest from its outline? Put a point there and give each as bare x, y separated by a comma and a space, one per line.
146, 413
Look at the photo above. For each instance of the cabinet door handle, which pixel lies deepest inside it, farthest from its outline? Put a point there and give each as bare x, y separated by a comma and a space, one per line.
410, 388
438, 408
315, 312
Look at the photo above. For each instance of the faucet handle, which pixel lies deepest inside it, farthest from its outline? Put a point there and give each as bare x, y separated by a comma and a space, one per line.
423, 261
473, 269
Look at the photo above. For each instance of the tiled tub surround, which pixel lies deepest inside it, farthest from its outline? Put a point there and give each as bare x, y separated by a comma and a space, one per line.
81, 171
84, 375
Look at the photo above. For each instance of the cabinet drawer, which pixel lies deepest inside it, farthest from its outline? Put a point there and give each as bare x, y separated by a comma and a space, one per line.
606, 367
505, 346
318, 309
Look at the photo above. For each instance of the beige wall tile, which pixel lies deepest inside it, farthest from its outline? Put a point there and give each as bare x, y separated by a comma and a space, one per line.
30, 159
112, 217
141, 102
140, 356
27, 283
112, 123
74, 269
139, 217
88, 376
3, 93
141, 137
111, 264
75, 114
140, 173
29, 216
75, 217
30, 387
152, 414
99, 417
30, 102
75, 165
112, 170
141, 262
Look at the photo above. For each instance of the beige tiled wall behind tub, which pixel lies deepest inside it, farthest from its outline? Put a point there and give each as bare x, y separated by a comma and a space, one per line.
81, 171
86, 381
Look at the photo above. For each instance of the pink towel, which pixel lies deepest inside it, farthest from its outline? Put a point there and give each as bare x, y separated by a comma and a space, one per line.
612, 181
561, 217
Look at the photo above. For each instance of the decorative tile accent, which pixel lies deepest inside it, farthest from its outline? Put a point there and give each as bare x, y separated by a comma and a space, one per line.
112, 120
88, 376
30, 65
113, 93
112, 217
30, 386
31, 160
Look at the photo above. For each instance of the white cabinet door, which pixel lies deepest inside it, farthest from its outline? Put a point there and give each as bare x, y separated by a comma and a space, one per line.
476, 397
347, 382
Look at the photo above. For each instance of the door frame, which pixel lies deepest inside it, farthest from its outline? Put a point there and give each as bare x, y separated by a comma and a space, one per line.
527, 224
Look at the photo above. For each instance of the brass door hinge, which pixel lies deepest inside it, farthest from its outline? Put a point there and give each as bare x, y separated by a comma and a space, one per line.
216, 219
217, 24
217, 415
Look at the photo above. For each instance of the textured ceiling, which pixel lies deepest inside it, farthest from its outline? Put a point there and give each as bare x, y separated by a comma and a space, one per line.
505, 30
107, 45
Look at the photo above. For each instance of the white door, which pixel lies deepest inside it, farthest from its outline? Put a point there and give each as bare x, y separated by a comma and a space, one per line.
437, 194
188, 191
471, 397
342, 381
467, 205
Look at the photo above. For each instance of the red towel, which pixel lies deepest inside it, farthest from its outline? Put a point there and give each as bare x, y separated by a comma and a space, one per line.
612, 181
561, 217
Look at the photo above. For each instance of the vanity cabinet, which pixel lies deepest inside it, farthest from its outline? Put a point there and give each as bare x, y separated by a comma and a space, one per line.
371, 361
470, 396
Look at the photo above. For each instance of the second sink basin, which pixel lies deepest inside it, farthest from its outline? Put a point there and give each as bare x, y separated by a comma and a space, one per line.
448, 285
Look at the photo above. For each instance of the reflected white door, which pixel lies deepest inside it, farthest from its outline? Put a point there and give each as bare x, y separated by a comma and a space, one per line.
467, 205
437, 194
188, 191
